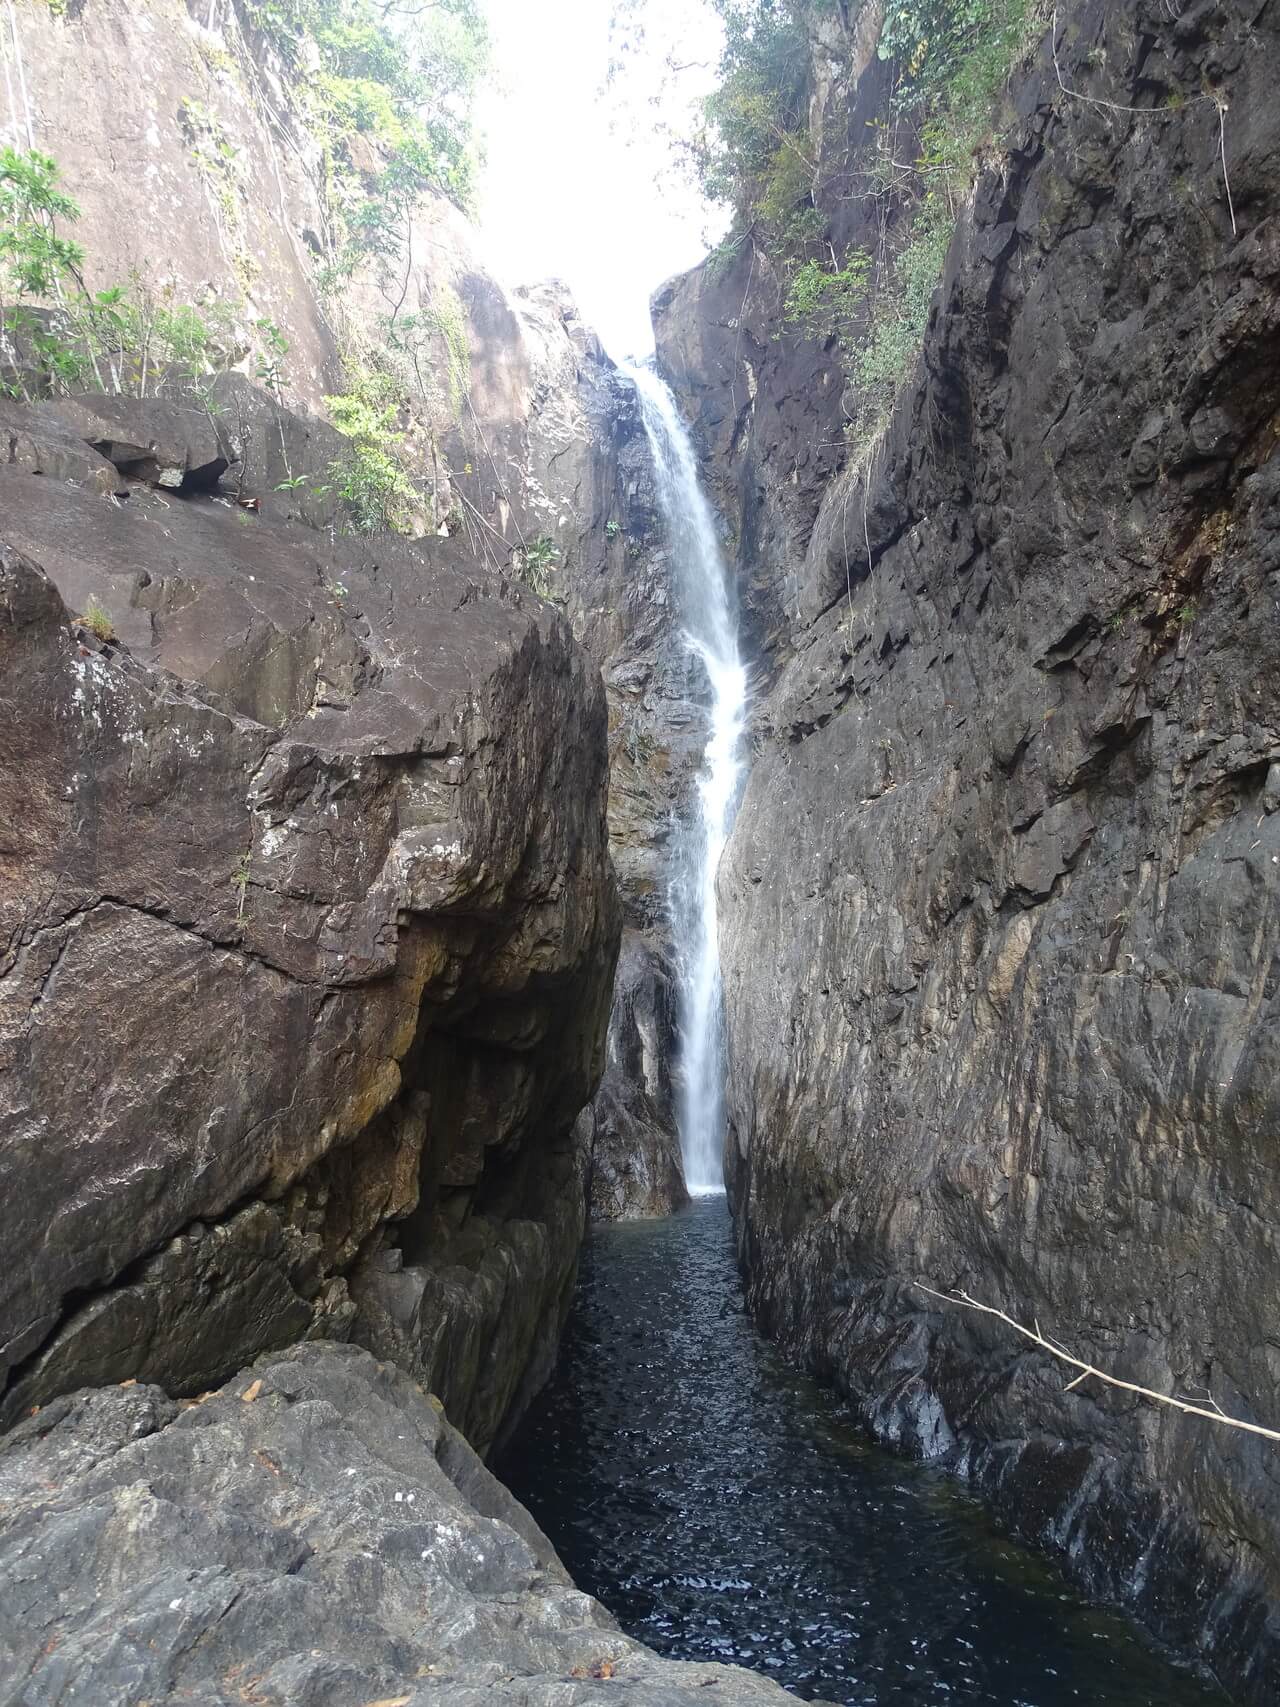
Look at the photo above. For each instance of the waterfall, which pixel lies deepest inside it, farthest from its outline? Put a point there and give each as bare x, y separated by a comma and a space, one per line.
710, 632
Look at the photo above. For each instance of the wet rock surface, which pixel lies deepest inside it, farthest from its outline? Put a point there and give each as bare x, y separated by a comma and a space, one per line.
308, 929
1001, 913
636, 1171
619, 587
315, 1534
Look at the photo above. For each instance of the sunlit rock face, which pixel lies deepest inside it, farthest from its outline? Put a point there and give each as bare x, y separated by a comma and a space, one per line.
309, 927
1001, 912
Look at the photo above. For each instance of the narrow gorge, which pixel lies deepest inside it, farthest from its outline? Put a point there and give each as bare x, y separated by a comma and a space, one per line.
639, 1008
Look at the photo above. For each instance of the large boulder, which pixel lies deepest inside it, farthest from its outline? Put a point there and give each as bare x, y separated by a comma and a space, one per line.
314, 1535
308, 927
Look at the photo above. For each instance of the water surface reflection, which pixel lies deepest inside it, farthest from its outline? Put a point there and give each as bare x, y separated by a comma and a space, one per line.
724, 1508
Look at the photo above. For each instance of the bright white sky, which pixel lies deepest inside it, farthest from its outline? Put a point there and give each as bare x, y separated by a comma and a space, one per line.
578, 182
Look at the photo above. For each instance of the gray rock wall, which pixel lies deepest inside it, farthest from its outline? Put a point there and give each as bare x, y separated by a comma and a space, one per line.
210, 178
1002, 908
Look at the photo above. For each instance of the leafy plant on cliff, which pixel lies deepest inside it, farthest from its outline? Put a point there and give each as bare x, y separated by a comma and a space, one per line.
240, 881
821, 300
98, 621
951, 59
882, 360
37, 263
372, 478
534, 563
954, 60
35, 259
123, 338
960, 49
413, 345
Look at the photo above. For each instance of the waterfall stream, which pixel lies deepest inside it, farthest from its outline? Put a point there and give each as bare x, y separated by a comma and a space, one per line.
710, 631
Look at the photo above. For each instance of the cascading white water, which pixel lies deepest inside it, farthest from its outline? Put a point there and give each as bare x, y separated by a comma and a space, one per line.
710, 631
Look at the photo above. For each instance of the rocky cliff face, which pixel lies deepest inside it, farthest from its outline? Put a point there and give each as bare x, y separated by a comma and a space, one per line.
309, 928
1010, 850
206, 170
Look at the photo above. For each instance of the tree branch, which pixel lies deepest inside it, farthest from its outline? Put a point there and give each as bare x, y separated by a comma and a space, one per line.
1215, 1414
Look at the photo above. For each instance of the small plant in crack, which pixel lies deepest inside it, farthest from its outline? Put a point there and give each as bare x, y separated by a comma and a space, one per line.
534, 563
240, 882
98, 621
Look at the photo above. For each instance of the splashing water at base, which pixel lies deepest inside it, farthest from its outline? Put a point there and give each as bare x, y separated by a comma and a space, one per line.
710, 632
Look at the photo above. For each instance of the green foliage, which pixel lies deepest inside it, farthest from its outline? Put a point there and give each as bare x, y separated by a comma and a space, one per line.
35, 262
953, 58
962, 49
98, 621
410, 345
371, 478
822, 300
900, 312
406, 77
124, 338
535, 562
754, 154
612, 529
722, 257
760, 102
961, 78
783, 207
272, 349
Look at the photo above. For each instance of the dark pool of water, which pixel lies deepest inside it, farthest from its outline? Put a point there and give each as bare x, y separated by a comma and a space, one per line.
724, 1507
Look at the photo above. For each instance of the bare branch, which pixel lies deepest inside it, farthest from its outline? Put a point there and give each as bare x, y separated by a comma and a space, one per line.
1222, 149
1093, 100
1216, 1414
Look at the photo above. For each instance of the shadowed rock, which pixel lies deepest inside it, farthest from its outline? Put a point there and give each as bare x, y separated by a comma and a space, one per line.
174, 445
636, 1169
